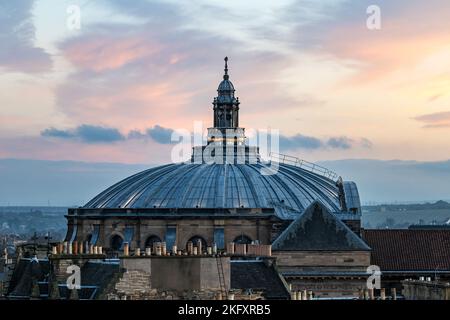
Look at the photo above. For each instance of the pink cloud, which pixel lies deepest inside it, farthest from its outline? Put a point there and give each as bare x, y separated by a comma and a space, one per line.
435, 120
135, 151
408, 34
106, 52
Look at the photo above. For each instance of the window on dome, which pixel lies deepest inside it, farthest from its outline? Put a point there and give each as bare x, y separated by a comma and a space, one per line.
243, 239
196, 239
116, 242
151, 240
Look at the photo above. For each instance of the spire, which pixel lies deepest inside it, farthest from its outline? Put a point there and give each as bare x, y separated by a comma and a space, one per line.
226, 105
225, 76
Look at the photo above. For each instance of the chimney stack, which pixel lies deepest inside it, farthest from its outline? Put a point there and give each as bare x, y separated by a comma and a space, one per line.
126, 249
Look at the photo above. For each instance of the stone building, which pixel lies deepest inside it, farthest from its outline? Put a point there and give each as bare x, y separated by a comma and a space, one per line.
228, 223
225, 193
230, 205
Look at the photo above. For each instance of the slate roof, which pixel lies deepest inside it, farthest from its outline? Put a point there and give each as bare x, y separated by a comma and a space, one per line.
318, 229
24, 272
258, 275
409, 250
95, 275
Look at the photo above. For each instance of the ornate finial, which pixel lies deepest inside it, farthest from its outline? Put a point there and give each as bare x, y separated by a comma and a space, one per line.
226, 69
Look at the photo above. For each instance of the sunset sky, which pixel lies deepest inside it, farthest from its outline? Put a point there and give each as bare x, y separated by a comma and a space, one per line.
114, 90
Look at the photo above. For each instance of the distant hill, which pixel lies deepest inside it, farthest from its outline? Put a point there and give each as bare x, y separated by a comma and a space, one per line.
438, 205
396, 181
57, 183
72, 183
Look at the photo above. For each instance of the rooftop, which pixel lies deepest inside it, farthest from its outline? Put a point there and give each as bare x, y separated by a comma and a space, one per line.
409, 250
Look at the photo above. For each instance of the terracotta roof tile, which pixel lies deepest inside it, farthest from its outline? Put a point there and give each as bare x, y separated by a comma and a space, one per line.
409, 250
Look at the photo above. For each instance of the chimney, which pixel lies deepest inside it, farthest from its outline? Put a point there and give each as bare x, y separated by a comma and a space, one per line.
383, 294
394, 293
371, 294
199, 246
73, 294
54, 289
190, 248
305, 295
75, 248
126, 249
158, 249
230, 248
35, 292
366, 294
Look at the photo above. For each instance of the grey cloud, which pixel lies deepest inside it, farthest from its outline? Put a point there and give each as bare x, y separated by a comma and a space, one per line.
56, 133
160, 134
18, 52
300, 141
340, 143
86, 133
366, 143
98, 134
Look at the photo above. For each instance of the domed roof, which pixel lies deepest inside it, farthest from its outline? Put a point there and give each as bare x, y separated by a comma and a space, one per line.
226, 87
290, 191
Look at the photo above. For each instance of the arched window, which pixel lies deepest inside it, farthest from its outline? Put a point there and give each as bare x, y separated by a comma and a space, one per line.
243, 239
116, 242
195, 240
151, 240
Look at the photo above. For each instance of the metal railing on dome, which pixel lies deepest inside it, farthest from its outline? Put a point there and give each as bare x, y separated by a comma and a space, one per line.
303, 164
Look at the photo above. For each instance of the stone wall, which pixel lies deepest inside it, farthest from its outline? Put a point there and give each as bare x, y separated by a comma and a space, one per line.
324, 260
327, 287
175, 277
134, 284
338, 273
255, 229
425, 290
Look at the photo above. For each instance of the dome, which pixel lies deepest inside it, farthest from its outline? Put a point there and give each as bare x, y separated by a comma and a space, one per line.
290, 191
226, 87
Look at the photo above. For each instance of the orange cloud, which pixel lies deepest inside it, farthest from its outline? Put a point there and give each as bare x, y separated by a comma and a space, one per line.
383, 52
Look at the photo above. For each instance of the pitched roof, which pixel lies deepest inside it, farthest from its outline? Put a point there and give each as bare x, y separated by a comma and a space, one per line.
96, 275
318, 229
409, 250
25, 271
258, 275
